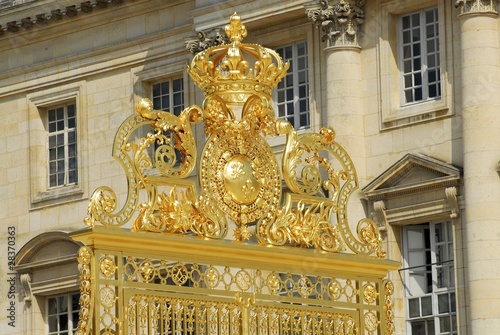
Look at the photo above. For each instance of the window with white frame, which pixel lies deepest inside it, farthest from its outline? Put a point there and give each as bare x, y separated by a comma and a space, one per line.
429, 279
292, 93
62, 146
62, 314
168, 95
419, 60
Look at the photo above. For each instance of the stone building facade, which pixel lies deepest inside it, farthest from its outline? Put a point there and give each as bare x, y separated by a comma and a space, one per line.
411, 88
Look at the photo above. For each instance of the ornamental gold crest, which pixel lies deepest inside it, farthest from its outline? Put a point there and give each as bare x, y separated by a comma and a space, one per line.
239, 178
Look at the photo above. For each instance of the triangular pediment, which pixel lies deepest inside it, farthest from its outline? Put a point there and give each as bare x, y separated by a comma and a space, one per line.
412, 173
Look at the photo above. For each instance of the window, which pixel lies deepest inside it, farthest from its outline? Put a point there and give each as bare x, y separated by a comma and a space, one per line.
415, 58
169, 96
62, 155
62, 314
292, 93
419, 61
429, 279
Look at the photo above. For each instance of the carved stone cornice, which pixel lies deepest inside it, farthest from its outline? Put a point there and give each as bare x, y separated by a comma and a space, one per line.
476, 6
206, 39
340, 21
53, 15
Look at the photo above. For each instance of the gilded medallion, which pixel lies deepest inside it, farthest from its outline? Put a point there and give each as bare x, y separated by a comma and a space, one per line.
240, 175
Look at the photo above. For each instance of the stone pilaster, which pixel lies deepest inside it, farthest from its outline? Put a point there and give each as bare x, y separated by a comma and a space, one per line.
480, 65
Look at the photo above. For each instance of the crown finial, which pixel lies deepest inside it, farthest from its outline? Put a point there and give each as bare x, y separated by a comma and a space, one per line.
235, 30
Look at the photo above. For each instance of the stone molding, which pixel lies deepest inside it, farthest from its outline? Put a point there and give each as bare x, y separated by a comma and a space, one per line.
415, 189
206, 39
54, 15
476, 6
340, 21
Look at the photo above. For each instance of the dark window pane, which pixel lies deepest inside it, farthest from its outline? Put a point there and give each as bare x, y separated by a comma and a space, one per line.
71, 137
416, 64
60, 152
418, 94
63, 321
60, 179
281, 96
156, 90
60, 125
430, 31
415, 20
301, 48
408, 81
407, 66
416, 49
407, 52
415, 33
302, 91
289, 94
177, 85
409, 95
52, 321
72, 123
177, 99
156, 103
433, 91
426, 303
71, 110
72, 177
60, 166
406, 22
60, 113
406, 36
165, 89
444, 324
165, 102
302, 106
304, 120
443, 303
281, 110
418, 328
414, 308
417, 78
429, 16
52, 180
52, 115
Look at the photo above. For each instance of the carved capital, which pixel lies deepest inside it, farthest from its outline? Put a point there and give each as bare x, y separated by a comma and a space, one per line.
206, 39
339, 21
476, 6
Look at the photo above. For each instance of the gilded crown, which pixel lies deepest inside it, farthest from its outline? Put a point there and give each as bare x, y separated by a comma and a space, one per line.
237, 70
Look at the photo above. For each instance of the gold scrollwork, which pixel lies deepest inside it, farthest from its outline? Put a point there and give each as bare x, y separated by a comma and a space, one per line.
85, 256
305, 224
389, 307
